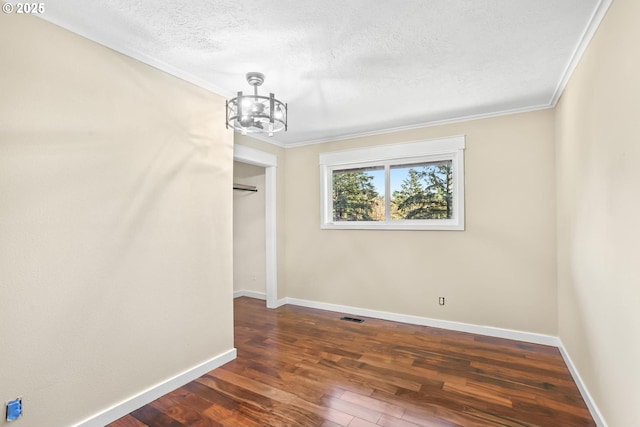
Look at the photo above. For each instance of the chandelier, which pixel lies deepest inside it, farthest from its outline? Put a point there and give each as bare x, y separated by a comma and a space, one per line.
256, 113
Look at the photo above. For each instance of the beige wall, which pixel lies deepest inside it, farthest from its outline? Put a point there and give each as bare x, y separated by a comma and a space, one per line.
249, 268
499, 272
598, 211
115, 224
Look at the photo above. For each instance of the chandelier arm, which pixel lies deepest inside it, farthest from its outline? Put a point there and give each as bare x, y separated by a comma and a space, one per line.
271, 106
226, 110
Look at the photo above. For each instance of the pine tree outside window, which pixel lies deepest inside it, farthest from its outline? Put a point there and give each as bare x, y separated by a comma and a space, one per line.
425, 192
355, 197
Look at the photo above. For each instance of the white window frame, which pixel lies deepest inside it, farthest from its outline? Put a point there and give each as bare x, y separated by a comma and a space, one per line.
433, 150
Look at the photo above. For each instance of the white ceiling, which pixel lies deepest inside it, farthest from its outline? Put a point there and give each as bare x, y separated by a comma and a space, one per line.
357, 66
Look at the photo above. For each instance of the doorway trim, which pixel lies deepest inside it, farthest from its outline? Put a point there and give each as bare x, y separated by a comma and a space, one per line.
270, 163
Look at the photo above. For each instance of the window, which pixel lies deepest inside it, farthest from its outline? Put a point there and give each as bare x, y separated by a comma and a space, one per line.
411, 186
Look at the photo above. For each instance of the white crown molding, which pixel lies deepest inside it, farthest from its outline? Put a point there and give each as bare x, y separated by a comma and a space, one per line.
129, 405
422, 125
590, 30
123, 49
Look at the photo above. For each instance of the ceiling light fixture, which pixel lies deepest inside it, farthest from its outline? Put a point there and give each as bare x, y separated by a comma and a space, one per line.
256, 113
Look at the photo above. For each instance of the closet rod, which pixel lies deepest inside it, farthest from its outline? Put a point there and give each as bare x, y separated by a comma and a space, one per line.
243, 187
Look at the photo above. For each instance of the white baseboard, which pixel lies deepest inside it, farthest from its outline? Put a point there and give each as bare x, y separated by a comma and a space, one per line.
586, 396
250, 294
126, 406
491, 331
281, 302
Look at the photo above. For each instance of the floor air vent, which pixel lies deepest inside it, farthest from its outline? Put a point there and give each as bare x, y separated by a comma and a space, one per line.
352, 319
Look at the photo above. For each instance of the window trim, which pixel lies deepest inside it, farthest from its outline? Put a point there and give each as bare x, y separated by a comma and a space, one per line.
450, 148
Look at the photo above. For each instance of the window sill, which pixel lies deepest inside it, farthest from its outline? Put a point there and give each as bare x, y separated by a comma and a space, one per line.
375, 225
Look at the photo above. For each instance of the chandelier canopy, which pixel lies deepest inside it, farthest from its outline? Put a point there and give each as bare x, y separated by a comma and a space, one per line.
256, 113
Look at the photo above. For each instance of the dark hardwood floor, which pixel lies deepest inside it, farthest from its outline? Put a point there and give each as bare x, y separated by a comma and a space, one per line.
303, 367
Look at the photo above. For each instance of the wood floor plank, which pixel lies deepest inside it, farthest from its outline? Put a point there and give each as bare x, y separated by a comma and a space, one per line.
257, 387
328, 413
359, 422
155, 418
351, 408
242, 416
183, 413
373, 404
389, 421
299, 366
127, 421
430, 419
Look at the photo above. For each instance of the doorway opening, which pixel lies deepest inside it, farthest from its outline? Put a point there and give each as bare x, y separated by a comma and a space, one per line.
259, 160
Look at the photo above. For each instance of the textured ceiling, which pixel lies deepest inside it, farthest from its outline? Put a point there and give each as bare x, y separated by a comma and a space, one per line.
354, 67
